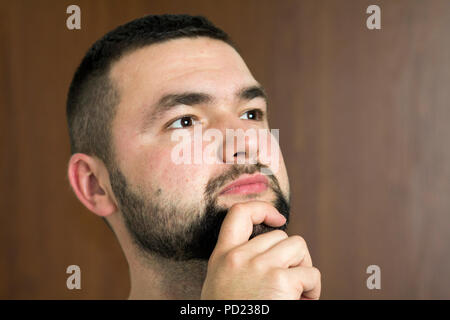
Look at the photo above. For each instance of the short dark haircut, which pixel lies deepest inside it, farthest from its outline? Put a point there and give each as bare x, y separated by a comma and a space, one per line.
92, 96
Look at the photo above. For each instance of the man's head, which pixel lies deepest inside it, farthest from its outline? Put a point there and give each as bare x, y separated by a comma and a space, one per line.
134, 89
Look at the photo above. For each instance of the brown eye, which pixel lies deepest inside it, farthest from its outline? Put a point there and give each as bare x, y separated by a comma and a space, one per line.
183, 122
252, 115
186, 121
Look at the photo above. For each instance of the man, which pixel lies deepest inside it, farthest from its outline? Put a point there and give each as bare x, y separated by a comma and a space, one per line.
190, 230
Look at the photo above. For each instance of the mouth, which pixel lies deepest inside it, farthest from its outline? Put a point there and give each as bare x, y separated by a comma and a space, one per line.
246, 184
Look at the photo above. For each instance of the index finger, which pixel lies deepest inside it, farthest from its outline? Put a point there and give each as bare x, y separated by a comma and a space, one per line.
237, 226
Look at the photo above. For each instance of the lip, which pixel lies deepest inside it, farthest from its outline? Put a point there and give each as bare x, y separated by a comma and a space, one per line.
247, 184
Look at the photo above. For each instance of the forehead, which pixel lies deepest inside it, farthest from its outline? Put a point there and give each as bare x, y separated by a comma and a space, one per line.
187, 64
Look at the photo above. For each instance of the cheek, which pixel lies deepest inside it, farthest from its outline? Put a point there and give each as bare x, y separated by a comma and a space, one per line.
272, 156
156, 171
283, 176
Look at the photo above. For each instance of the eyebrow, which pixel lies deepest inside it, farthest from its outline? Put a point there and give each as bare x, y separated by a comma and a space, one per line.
187, 98
171, 100
252, 92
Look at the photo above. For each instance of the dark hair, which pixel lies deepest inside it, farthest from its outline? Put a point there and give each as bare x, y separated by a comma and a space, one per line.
92, 96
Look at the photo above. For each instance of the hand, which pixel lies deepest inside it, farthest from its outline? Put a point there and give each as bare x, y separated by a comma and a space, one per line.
269, 266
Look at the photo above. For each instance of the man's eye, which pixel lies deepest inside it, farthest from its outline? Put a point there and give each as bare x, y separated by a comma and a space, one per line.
252, 115
184, 122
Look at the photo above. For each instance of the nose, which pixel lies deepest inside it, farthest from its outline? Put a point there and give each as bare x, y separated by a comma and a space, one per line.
240, 146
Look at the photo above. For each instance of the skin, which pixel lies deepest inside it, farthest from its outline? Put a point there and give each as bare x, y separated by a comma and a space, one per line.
269, 266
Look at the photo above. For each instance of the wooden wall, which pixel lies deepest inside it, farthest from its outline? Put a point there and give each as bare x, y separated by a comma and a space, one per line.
364, 119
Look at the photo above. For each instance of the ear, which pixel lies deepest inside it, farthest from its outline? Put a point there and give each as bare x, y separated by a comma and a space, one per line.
90, 182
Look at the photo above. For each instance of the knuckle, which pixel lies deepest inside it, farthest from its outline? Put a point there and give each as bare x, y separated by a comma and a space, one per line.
234, 259
317, 274
237, 207
258, 264
280, 234
279, 278
298, 240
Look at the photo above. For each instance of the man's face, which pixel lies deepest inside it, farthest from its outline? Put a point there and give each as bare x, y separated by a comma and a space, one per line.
176, 209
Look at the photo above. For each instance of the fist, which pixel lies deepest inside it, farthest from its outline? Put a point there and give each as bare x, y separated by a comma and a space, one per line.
269, 266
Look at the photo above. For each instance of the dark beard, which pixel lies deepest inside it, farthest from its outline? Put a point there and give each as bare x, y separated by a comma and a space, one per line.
150, 222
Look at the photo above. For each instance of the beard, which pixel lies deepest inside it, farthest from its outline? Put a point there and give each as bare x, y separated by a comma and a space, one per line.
167, 229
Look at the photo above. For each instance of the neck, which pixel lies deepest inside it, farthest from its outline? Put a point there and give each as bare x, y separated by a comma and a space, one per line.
159, 278
153, 277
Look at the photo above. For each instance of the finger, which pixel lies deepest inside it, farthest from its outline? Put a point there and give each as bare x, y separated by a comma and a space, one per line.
238, 224
308, 280
290, 252
264, 242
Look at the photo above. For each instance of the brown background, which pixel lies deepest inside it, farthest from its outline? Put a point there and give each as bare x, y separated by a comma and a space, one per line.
364, 126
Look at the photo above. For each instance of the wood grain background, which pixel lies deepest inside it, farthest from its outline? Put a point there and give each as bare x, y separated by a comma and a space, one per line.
364, 127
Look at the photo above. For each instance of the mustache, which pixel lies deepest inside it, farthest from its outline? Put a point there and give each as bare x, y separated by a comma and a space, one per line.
214, 185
